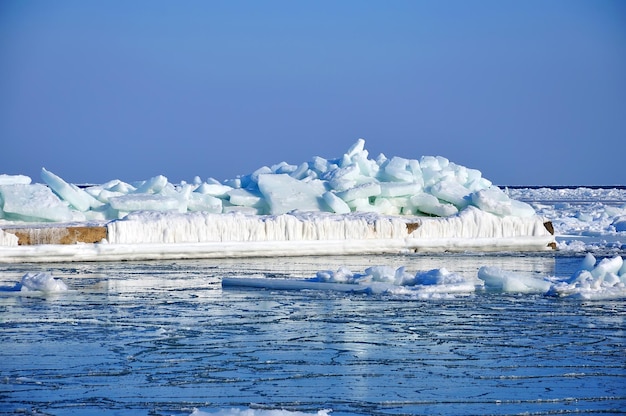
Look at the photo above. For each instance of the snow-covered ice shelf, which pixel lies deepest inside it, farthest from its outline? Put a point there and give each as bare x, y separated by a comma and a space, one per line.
182, 236
336, 206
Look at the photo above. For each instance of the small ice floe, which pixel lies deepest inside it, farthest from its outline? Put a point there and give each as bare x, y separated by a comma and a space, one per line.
258, 412
506, 281
437, 283
41, 282
594, 280
386, 279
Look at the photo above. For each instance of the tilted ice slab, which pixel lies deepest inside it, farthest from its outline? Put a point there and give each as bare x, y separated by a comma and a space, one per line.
33, 203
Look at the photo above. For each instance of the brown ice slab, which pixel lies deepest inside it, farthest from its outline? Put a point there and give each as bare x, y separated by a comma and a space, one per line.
58, 234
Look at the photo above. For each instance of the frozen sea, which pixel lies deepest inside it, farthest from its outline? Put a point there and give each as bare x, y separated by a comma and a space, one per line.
165, 338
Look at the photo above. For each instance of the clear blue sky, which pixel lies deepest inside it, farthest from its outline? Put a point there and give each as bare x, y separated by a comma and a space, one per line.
529, 92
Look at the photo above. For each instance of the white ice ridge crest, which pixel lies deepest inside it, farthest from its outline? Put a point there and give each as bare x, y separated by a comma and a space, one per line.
430, 186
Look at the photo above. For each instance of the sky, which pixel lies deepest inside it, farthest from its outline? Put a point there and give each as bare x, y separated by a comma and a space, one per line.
528, 92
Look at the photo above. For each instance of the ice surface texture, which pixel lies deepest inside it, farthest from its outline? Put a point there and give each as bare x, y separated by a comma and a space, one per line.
430, 186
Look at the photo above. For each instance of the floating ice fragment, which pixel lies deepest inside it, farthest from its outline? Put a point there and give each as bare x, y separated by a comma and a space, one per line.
258, 412
386, 279
506, 281
442, 281
606, 280
42, 282
342, 275
608, 266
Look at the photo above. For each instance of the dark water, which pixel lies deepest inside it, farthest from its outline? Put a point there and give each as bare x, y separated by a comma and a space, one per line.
163, 338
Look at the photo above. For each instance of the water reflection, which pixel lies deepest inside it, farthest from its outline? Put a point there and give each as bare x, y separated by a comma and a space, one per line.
163, 337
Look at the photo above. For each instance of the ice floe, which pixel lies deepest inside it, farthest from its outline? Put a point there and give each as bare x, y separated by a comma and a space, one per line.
257, 412
605, 279
41, 282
